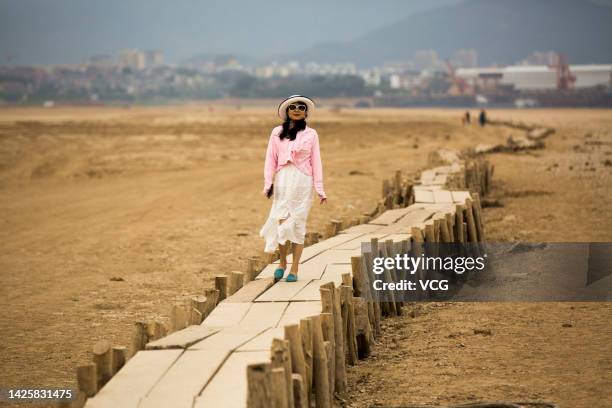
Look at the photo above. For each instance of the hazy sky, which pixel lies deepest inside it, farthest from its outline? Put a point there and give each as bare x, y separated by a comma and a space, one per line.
56, 31
70, 31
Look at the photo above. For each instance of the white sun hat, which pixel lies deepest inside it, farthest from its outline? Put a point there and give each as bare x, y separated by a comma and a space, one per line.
282, 108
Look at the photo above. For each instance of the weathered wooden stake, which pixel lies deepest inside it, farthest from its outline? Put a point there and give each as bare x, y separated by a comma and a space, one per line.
118, 358
235, 282
363, 329
320, 369
212, 298
298, 362
306, 335
179, 317
259, 390
280, 356
278, 382
140, 337
327, 326
221, 286
348, 317
340, 374
300, 400
87, 378
102, 359
252, 268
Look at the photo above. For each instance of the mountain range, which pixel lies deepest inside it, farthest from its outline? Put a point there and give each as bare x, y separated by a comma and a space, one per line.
501, 31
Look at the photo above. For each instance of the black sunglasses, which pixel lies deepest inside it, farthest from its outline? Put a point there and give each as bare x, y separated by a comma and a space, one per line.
300, 107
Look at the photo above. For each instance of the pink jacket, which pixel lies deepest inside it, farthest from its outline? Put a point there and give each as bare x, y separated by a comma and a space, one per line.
303, 152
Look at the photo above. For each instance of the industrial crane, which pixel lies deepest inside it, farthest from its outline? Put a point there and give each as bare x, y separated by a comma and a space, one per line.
565, 79
461, 86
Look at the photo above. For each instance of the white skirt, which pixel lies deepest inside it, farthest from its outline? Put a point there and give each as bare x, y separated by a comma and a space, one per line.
292, 199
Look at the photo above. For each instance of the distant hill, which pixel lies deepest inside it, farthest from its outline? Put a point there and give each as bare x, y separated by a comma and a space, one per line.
502, 31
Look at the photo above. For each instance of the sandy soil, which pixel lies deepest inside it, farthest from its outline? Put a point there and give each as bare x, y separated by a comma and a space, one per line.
166, 198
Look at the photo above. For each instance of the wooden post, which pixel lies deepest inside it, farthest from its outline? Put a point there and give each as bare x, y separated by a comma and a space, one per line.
160, 329
320, 369
235, 282
348, 318
306, 334
478, 217
418, 240
329, 230
87, 378
298, 362
340, 374
347, 280
436, 227
459, 222
198, 307
389, 304
444, 232
337, 226
300, 400
259, 392
429, 233
359, 280
278, 385
327, 326
385, 188
329, 354
152, 329
362, 327
221, 286
375, 301
140, 337
252, 268
119, 355
102, 359
395, 275
327, 302
179, 317
472, 232
450, 224
397, 188
281, 357
212, 298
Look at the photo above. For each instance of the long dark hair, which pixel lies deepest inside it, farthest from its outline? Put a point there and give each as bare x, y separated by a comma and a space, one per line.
297, 126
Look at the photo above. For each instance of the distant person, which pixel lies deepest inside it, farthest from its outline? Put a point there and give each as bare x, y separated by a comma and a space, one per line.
467, 119
293, 159
482, 118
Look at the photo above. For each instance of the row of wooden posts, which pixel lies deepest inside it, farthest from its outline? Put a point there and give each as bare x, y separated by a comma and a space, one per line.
309, 364
358, 318
108, 359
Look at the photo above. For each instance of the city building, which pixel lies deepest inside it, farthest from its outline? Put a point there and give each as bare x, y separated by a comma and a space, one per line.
536, 77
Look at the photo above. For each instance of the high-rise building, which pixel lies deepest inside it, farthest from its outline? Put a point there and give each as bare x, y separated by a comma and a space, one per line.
132, 58
465, 58
426, 59
153, 58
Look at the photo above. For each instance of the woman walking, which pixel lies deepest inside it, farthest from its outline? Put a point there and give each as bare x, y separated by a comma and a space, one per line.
292, 168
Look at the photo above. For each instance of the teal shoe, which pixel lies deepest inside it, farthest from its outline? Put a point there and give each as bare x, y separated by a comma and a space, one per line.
278, 273
291, 278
